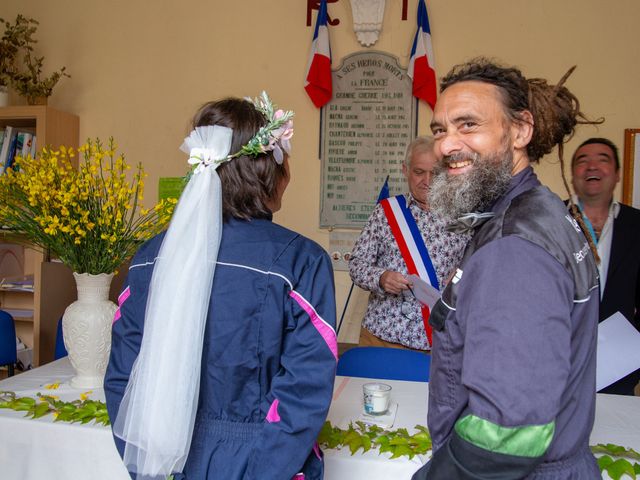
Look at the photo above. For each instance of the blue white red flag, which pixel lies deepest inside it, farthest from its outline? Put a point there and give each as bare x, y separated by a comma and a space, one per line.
384, 191
421, 63
318, 77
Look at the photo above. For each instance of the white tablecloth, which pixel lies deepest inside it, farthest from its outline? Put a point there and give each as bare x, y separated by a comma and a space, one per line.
347, 404
40, 449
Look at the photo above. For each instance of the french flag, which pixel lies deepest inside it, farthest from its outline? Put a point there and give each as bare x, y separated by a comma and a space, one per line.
421, 64
318, 78
384, 191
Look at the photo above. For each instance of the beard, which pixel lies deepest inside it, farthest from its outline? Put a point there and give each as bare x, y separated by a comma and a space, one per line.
454, 195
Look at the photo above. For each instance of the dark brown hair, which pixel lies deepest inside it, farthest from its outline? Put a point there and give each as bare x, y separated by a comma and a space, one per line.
248, 182
555, 110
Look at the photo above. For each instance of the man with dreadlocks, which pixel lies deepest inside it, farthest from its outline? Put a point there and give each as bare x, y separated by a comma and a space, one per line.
512, 388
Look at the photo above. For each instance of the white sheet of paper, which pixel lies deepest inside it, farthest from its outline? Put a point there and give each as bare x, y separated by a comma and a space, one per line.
618, 350
424, 293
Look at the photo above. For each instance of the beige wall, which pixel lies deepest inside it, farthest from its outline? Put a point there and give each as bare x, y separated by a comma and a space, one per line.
141, 68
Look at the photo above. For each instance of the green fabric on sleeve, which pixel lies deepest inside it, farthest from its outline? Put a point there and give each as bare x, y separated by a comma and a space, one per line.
530, 441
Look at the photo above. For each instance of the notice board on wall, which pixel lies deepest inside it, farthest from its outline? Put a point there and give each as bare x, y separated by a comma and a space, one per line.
365, 131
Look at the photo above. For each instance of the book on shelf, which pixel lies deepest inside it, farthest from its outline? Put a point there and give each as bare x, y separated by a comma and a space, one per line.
33, 146
9, 136
26, 144
21, 283
12, 152
16, 148
16, 142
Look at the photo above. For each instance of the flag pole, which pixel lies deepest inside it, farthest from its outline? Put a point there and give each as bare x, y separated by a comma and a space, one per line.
344, 310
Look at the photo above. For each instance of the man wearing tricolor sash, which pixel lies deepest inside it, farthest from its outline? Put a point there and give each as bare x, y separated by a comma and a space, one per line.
401, 238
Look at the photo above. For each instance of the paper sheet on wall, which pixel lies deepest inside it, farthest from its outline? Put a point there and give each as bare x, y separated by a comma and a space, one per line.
424, 293
618, 350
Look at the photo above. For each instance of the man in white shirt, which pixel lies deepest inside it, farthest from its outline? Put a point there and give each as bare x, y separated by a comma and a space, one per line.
615, 229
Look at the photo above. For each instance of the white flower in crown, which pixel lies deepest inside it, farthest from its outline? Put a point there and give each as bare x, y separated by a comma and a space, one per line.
208, 145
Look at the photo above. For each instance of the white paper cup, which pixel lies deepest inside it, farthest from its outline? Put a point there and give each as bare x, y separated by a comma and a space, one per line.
376, 398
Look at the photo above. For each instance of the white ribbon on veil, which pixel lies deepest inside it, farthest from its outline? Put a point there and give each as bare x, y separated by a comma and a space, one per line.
157, 413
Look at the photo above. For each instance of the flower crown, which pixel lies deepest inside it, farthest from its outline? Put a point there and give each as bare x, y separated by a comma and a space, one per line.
210, 145
275, 135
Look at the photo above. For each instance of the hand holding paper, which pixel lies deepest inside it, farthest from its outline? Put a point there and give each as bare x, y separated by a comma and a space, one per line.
424, 293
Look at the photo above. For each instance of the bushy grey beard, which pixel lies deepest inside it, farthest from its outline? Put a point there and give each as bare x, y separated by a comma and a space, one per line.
454, 195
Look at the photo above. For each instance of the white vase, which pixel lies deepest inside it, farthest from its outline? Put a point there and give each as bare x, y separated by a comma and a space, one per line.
86, 326
4, 96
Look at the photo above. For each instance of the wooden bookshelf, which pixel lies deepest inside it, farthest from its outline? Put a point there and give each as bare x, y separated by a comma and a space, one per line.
53, 284
52, 127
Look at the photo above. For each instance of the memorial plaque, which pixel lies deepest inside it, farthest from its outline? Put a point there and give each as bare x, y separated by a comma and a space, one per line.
366, 129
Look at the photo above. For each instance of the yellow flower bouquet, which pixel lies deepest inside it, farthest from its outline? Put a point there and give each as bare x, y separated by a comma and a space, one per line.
91, 218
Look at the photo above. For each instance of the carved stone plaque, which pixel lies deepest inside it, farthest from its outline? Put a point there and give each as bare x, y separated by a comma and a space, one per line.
365, 131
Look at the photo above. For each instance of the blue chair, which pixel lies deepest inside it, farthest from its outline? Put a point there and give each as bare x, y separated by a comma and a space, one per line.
385, 363
61, 351
8, 351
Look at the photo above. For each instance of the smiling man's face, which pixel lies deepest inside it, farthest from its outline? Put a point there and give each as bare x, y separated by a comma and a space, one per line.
594, 172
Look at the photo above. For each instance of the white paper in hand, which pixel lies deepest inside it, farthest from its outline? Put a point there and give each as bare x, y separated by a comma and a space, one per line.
424, 293
618, 350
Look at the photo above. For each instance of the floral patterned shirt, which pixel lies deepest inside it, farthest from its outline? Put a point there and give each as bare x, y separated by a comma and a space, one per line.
397, 318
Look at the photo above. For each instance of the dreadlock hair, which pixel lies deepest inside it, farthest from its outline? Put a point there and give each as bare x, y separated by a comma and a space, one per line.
555, 110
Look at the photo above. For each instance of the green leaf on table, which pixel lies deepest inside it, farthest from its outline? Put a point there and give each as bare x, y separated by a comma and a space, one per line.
366, 443
604, 461
401, 450
399, 441
325, 432
387, 448
615, 450
40, 410
353, 440
74, 411
619, 467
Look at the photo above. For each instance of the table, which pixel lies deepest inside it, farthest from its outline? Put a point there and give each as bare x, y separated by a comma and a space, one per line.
346, 406
37, 449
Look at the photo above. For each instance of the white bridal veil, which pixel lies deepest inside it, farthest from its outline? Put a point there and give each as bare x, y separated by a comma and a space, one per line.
157, 413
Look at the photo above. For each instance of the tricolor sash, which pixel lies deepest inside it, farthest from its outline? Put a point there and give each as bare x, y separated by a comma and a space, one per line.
412, 247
